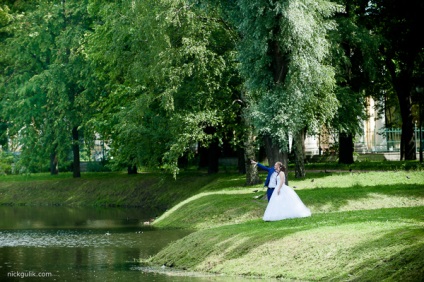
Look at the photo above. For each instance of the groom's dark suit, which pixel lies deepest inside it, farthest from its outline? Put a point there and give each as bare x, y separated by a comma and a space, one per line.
270, 186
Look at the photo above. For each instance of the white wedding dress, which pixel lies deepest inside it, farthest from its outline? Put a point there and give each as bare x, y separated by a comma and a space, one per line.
285, 205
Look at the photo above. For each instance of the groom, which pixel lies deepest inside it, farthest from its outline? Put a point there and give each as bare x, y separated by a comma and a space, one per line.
271, 179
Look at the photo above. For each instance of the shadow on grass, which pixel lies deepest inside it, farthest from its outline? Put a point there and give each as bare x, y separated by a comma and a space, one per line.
407, 264
336, 198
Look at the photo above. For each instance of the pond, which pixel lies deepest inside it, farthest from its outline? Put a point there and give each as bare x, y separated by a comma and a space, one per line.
83, 244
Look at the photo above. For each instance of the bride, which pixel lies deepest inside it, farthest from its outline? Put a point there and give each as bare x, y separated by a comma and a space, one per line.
284, 202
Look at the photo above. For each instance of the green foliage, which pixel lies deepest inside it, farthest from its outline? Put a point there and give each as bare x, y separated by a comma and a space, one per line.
169, 74
5, 17
97, 167
354, 54
6, 162
158, 78
401, 53
301, 92
44, 70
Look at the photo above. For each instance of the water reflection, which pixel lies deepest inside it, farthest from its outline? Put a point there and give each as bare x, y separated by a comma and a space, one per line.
22, 217
78, 244
85, 244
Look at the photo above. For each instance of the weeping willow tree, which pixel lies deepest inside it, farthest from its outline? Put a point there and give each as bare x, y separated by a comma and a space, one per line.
284, 59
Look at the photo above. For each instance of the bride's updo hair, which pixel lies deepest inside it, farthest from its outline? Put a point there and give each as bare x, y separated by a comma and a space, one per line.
281, 166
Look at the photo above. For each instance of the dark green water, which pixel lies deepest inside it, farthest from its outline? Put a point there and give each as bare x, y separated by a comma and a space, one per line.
83, 244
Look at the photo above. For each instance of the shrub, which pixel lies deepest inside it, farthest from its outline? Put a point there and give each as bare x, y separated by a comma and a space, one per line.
6, 162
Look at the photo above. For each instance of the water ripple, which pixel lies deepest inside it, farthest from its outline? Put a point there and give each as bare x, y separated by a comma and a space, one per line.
61, 238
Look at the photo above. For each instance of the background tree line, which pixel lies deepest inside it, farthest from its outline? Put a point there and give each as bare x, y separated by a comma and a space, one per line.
165, 80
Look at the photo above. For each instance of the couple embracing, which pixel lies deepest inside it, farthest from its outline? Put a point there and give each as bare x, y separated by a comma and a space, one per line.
283, 202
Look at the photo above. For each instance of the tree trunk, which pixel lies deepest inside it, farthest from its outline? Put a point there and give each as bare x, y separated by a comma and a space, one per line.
420, 108
76, 152
53, 163
299, 156
345, 148
203, 156
279, 68
132, 169
408, 138
213, 157
274, 154
241, 163
403, 84
252, 177
408, 146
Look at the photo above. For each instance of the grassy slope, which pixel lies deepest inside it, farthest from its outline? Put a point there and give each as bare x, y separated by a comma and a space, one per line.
365, 226
101, 189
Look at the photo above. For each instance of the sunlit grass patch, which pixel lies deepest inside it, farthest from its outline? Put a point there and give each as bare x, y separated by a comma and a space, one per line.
233, 205
364, 179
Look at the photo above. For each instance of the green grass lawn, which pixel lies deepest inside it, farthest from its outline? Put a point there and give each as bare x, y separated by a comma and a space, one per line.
364, 227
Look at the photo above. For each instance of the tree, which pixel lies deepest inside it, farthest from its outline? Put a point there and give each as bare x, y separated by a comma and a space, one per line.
283, 58
355, 56
8, 9
45, 71
169, 75
5, 19
401, 51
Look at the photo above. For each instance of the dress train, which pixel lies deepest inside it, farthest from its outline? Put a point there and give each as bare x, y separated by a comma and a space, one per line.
285, 205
